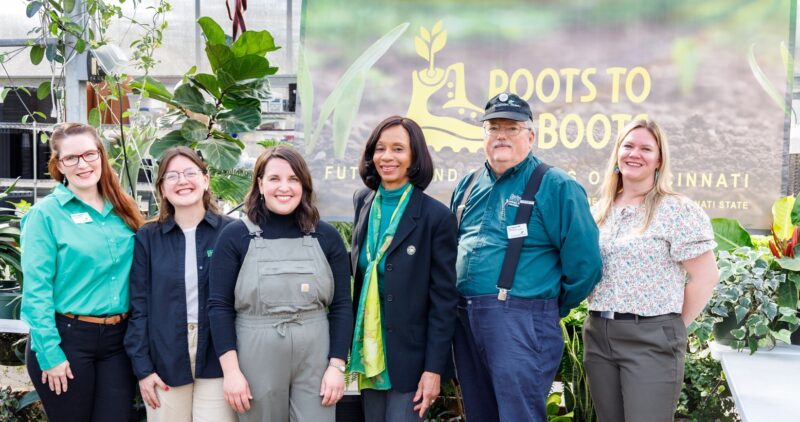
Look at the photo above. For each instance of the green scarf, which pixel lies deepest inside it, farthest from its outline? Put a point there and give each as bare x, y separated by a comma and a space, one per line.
368, 357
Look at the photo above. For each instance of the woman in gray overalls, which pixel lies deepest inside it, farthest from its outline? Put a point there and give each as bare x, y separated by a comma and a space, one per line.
279, 305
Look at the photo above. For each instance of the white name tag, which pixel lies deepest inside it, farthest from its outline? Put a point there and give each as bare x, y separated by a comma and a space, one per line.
81, 218
517, 230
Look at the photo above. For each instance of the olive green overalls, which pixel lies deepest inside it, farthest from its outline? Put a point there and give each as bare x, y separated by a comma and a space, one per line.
281, 299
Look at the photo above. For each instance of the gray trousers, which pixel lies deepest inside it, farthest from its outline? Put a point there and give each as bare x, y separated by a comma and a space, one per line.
635, 368
388, 406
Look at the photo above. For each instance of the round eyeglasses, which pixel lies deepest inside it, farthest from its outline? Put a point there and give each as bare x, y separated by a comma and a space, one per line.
73, 160
172, 177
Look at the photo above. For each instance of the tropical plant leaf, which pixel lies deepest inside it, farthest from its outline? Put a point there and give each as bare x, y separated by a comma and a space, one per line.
346, 111
764, 81
729, 234
43, 90
37, 54
248, 67
231, 187
69, 6
28, 399
153, 88
211, 30
421, 47
219, 153
240, 119
362, 64
50, 52
216, 134
218, 55
208, 83
782, 217
194, 130
171, 139
439, 42
257, 43
190, 97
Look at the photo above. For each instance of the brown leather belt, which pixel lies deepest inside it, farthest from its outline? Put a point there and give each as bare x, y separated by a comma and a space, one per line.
106, 320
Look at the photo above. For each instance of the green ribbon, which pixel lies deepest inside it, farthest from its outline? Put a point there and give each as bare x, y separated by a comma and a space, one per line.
368, 357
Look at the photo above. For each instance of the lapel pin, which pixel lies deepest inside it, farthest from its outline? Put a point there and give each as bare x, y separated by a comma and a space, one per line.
411, 250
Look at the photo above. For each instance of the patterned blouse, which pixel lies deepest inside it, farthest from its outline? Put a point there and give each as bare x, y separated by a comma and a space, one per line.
642, 273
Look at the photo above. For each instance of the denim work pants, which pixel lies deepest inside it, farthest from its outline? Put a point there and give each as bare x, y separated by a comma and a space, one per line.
507, 354
103, 387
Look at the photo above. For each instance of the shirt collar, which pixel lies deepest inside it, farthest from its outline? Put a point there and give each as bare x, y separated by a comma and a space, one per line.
63, 195
210, 218
522, 165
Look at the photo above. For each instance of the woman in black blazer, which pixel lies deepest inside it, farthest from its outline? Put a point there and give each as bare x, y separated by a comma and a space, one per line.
403, 258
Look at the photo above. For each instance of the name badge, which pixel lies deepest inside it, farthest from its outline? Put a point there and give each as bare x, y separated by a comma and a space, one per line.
81, 218
517, 230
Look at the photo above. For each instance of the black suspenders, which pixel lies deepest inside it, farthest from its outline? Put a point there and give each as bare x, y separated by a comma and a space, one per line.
520, 227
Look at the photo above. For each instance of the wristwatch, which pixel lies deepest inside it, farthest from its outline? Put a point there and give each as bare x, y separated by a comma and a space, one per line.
341, 368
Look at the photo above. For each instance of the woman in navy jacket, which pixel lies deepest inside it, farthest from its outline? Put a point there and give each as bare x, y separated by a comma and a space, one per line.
168, 337
403, 258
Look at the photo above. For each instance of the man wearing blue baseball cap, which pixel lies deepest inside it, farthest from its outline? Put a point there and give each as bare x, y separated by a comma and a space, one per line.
528, 252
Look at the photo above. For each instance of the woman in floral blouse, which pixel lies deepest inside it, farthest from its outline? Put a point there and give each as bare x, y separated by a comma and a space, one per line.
651, 239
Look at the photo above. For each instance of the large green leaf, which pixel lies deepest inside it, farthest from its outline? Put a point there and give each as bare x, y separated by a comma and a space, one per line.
346, 111
796, 211
787, 294
37, 54
216, 134
782, 217
729, 234
208, 83
362, 64
94, 117
43, 91
791, 264
257, 43
218, 55
236, 99
240, 119
212, 31
190, 97
194, 130
33, 8
248, 67
152, 88
172, 139
231, 187
219, 153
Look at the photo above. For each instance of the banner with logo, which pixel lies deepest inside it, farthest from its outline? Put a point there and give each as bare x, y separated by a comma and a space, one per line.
713, 74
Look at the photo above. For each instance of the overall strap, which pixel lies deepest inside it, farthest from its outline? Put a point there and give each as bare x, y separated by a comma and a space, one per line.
511, 259
463, 203
252, 227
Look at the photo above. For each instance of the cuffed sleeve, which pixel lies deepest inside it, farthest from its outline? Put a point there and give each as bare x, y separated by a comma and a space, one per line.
39, 266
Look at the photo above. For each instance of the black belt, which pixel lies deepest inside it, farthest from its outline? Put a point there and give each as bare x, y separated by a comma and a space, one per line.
623, 315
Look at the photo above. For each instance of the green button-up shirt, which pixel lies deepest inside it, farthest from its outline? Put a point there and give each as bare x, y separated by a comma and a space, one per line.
560, 255
75, 260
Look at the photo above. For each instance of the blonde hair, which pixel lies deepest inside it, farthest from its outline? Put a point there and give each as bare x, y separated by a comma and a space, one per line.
612, 182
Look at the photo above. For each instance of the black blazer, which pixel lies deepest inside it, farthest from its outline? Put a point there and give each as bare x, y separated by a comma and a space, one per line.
420, 297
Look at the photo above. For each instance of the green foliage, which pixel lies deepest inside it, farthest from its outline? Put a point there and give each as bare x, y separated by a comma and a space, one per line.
215, 108
577, 397
345, 98
16, 406
705, 395
345, 229
749, 292
10, 256
729, 234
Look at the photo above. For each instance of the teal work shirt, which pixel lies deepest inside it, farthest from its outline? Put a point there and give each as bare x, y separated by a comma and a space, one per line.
390, 200
560, 255
75, 260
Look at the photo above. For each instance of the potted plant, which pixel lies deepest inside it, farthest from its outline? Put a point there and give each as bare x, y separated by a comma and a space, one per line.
10, 259
744, 310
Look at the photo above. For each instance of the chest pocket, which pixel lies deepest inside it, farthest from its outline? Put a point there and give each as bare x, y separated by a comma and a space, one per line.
288, 283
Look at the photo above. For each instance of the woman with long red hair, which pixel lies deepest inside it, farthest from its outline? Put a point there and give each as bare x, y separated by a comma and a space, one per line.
77, 248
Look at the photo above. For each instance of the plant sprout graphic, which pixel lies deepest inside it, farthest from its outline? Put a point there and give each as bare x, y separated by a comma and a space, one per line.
429, 43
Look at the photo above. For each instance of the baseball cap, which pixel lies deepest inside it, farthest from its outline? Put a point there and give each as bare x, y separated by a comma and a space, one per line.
507, 106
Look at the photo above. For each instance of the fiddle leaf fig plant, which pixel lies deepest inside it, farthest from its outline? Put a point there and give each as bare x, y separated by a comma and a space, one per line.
212, 109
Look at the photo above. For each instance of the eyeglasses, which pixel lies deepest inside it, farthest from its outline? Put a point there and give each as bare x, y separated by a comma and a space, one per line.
73, 160
511, 131
172, 177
